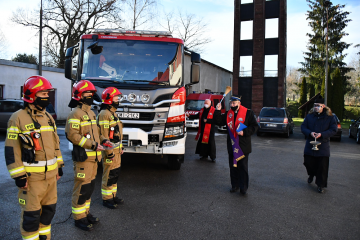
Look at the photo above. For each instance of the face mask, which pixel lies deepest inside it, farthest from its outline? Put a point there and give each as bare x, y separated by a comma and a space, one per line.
317, 109
206, 105
234, 108
115, 104
42, 102
88, 100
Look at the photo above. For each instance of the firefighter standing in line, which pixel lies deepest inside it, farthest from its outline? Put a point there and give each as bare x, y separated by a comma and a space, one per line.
110, 128
81, 129
34, 160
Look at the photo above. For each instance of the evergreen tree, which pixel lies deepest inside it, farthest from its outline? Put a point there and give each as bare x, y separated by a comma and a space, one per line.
337, 94
314, 59
303, 91
25, 58
311, 90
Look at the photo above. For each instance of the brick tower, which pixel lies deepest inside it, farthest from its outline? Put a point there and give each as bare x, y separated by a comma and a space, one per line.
259, 59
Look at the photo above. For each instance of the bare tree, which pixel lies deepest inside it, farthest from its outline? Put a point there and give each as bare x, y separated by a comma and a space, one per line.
142, 12
189, 27
3, 45
64, 21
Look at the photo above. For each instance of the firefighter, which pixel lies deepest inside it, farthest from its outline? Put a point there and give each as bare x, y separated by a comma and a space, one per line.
81, 129
110, 128
34, 160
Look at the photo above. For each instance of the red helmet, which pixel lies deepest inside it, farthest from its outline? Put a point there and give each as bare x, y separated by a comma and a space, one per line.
108, 94
81, 87
33, 85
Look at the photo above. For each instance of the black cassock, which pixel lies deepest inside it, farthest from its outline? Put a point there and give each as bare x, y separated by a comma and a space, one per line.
209, 149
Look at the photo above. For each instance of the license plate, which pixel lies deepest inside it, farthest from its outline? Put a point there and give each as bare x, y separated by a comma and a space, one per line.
129, 115
271, 125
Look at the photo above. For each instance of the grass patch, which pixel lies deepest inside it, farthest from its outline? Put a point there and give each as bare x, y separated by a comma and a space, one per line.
298, 121
345, 124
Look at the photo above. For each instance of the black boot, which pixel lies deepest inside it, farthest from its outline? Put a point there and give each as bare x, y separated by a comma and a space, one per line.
110, 204
118, 200
92, 219
84, 224
42, 237
320, 190
234, 189
242, 191
310, 179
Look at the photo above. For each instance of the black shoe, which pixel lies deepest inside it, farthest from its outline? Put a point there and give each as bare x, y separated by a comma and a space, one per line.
243, 192
84, 224
110, 204
320, 190
42, 237
310, 179
118, 200
213, 160
234, 189
92, 219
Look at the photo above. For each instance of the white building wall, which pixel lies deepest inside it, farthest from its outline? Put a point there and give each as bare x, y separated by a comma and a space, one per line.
14, 74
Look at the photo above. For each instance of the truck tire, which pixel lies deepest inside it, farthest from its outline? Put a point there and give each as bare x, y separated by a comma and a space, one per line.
358, 137
174, 161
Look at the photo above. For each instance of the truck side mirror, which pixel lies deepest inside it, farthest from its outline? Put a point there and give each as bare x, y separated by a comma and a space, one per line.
195, 73
195, 57
70, 52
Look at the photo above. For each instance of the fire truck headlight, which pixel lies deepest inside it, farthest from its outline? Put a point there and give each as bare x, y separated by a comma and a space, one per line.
145, 98
132, 97
171, 132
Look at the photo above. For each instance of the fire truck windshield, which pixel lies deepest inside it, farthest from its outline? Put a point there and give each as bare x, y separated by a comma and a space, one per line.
133, 62
195, 105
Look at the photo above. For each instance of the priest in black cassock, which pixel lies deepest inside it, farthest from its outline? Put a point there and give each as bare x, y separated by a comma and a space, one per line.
206, 134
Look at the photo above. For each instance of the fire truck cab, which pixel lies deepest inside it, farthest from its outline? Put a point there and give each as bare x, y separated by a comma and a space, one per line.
148, 69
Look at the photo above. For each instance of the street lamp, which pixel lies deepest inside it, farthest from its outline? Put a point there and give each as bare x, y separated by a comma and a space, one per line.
40, 41
326, 4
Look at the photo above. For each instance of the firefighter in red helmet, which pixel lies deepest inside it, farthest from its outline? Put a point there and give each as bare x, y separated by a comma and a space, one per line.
110, 128
82, 131
34, 160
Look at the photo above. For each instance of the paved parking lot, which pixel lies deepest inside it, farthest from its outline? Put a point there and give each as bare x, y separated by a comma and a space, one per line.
195, 203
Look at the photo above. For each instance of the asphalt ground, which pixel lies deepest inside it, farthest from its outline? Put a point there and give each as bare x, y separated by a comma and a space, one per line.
195, 203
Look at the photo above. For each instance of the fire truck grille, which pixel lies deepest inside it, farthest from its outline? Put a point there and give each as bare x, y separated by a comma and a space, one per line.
144, 127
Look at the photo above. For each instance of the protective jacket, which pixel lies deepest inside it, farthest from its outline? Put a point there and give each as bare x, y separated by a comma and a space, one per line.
323, 123
81, 129
20, 157
109, 125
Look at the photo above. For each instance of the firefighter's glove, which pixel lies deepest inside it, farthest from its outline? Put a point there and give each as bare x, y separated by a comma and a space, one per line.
60, 172
20, 181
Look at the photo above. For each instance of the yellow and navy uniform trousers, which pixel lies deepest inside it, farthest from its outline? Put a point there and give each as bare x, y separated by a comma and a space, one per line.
38, 200
81, 129
111, 158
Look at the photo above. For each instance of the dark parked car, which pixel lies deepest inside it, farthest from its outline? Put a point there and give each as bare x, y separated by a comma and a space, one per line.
275, 120
7, 108
354, 130
337, 136
50, 109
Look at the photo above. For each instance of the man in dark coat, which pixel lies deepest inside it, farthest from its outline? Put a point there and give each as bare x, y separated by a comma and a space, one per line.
238, 165
319, 124
206, 134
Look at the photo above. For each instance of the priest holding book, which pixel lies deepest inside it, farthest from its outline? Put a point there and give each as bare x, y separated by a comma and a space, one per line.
241, 124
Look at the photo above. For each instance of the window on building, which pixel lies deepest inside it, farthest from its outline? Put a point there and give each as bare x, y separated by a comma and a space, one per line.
1, 91
271, 66
272, 28
245, 66
246, 30
246, 1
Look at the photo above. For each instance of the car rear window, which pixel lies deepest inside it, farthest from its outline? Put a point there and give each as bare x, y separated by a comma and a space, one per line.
272, 112
10, 106
50, 108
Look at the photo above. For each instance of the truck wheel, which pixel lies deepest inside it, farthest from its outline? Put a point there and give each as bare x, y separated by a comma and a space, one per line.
174, 162
287, 134
358, 137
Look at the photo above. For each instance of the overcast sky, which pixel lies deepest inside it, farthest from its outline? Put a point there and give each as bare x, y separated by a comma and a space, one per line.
217, 13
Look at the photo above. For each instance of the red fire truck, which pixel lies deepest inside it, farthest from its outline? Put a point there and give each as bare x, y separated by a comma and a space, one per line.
148, 68
194, 103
